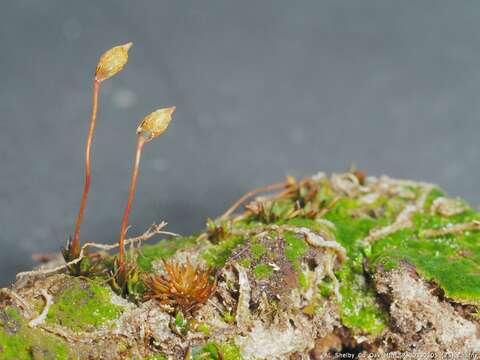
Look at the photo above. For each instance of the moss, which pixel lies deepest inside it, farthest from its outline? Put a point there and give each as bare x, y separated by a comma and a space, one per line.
280, 208
432, 195
12, 344
452, 260
18, 341
230, 351
303, 281
218, 254
156, 357
228, 317
181, 323
246, 263
391, 208
325, 288
246, 224
263, 271
358, 308
424, 221
257, 250
440, 259
210, 351
122, 346
311, 309
295, 249
308, 223
204, 329
163, 250
82, 305
350, 230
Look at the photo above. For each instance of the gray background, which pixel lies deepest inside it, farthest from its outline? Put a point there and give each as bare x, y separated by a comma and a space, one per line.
262, 89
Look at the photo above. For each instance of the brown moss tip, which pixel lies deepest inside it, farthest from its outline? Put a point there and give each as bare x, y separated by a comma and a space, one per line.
112, 61
183, 285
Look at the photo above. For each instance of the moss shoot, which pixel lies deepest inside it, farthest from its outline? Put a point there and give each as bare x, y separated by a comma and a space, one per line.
263, 271
18, 341
83, 305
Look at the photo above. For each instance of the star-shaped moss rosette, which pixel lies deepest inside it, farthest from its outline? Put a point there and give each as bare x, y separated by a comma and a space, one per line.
184, 285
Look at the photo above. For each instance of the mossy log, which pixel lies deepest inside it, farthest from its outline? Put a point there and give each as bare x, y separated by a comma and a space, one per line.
328, 266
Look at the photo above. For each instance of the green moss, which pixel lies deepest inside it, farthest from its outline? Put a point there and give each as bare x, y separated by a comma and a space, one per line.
181, 323
424, 221
218, 254
203, 328
391, 208
230, 351
350, 230
257, 250
359, 309
210, 351
308, 223
163, 250
82, 305
432, 195
295, 249
326, 287
228, 317
280, 208
156, 357
246, 224
246, 263
452, 260
263, 271
12, 344
302, 280
18, 341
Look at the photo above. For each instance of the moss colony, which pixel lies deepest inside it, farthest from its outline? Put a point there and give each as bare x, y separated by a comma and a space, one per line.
328, 264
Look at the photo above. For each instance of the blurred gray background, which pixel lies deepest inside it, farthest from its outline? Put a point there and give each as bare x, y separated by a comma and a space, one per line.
262, 89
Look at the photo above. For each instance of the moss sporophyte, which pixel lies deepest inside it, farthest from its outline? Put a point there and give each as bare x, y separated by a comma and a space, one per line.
152, 126
110, 63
